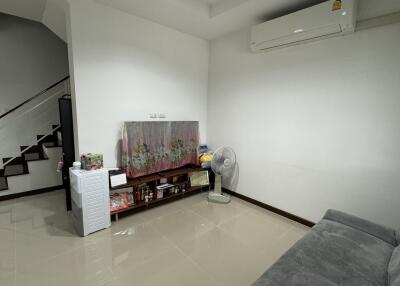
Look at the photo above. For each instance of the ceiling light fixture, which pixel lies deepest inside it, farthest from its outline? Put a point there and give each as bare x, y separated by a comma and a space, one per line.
298, 30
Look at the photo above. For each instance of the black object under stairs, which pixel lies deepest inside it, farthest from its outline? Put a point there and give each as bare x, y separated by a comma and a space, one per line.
17, 166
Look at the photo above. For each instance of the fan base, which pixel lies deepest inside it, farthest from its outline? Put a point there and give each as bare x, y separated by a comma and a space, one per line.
218, 198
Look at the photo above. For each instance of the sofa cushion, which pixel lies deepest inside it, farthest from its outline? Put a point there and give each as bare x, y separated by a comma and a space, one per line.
380, 231
332, 254
394, 268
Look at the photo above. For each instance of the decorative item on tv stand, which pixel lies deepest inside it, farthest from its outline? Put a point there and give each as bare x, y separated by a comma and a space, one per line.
91, 161
222, 164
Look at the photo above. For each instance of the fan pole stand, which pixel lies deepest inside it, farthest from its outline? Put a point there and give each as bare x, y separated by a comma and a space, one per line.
216, 195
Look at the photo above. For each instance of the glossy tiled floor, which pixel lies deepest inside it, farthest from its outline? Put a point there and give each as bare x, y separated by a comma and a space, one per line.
189, 242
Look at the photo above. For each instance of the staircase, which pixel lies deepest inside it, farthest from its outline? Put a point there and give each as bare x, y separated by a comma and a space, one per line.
18, 166
37, 114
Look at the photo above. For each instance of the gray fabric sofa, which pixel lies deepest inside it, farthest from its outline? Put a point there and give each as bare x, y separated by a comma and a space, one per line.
339, 250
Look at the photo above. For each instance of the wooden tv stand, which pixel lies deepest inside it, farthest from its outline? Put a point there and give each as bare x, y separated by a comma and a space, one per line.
153, 180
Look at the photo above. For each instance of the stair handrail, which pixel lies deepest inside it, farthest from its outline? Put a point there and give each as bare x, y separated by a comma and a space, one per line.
34, 97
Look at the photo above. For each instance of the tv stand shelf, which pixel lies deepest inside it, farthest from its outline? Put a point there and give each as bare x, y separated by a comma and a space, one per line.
153, 180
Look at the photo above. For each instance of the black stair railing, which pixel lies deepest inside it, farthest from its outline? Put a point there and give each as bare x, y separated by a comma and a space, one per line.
33, 97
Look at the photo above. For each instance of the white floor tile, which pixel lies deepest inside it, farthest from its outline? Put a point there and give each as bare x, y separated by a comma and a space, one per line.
189, 242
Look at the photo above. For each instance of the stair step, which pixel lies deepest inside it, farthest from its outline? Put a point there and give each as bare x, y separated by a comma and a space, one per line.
33, 149
58, 146
3, 181
3, 184
15, 161
48, 141
16, 167
6, 159
34, 153
16, 170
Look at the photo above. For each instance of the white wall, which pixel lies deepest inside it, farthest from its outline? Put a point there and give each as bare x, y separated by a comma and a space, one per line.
314, 126
125, 68
31, 59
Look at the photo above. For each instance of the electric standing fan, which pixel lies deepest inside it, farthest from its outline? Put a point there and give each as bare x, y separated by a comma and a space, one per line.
224, 160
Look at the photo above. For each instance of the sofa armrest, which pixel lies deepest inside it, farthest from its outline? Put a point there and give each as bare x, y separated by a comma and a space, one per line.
379, 231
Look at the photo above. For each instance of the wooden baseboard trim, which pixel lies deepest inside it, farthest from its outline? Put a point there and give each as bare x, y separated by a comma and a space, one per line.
271, 208
30, 193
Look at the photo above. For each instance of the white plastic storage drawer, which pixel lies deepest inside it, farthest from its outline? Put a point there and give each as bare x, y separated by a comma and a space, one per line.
91, 200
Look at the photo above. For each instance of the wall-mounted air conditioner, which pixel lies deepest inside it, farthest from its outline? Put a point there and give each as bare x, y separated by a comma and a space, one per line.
328, 19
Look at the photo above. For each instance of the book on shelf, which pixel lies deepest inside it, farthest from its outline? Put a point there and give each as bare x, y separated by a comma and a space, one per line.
164, 186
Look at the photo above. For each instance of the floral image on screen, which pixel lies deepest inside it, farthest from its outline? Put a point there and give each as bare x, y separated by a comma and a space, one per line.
150, 147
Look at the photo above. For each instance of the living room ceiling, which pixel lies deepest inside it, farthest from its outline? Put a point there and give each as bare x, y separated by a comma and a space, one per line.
29, 9
210, 19
207, 19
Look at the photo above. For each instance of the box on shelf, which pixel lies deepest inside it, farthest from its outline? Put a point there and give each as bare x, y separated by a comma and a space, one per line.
119, 201
117, 178
91, 161
131, 197
129, 191
198, 179
179, 179
203, 149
